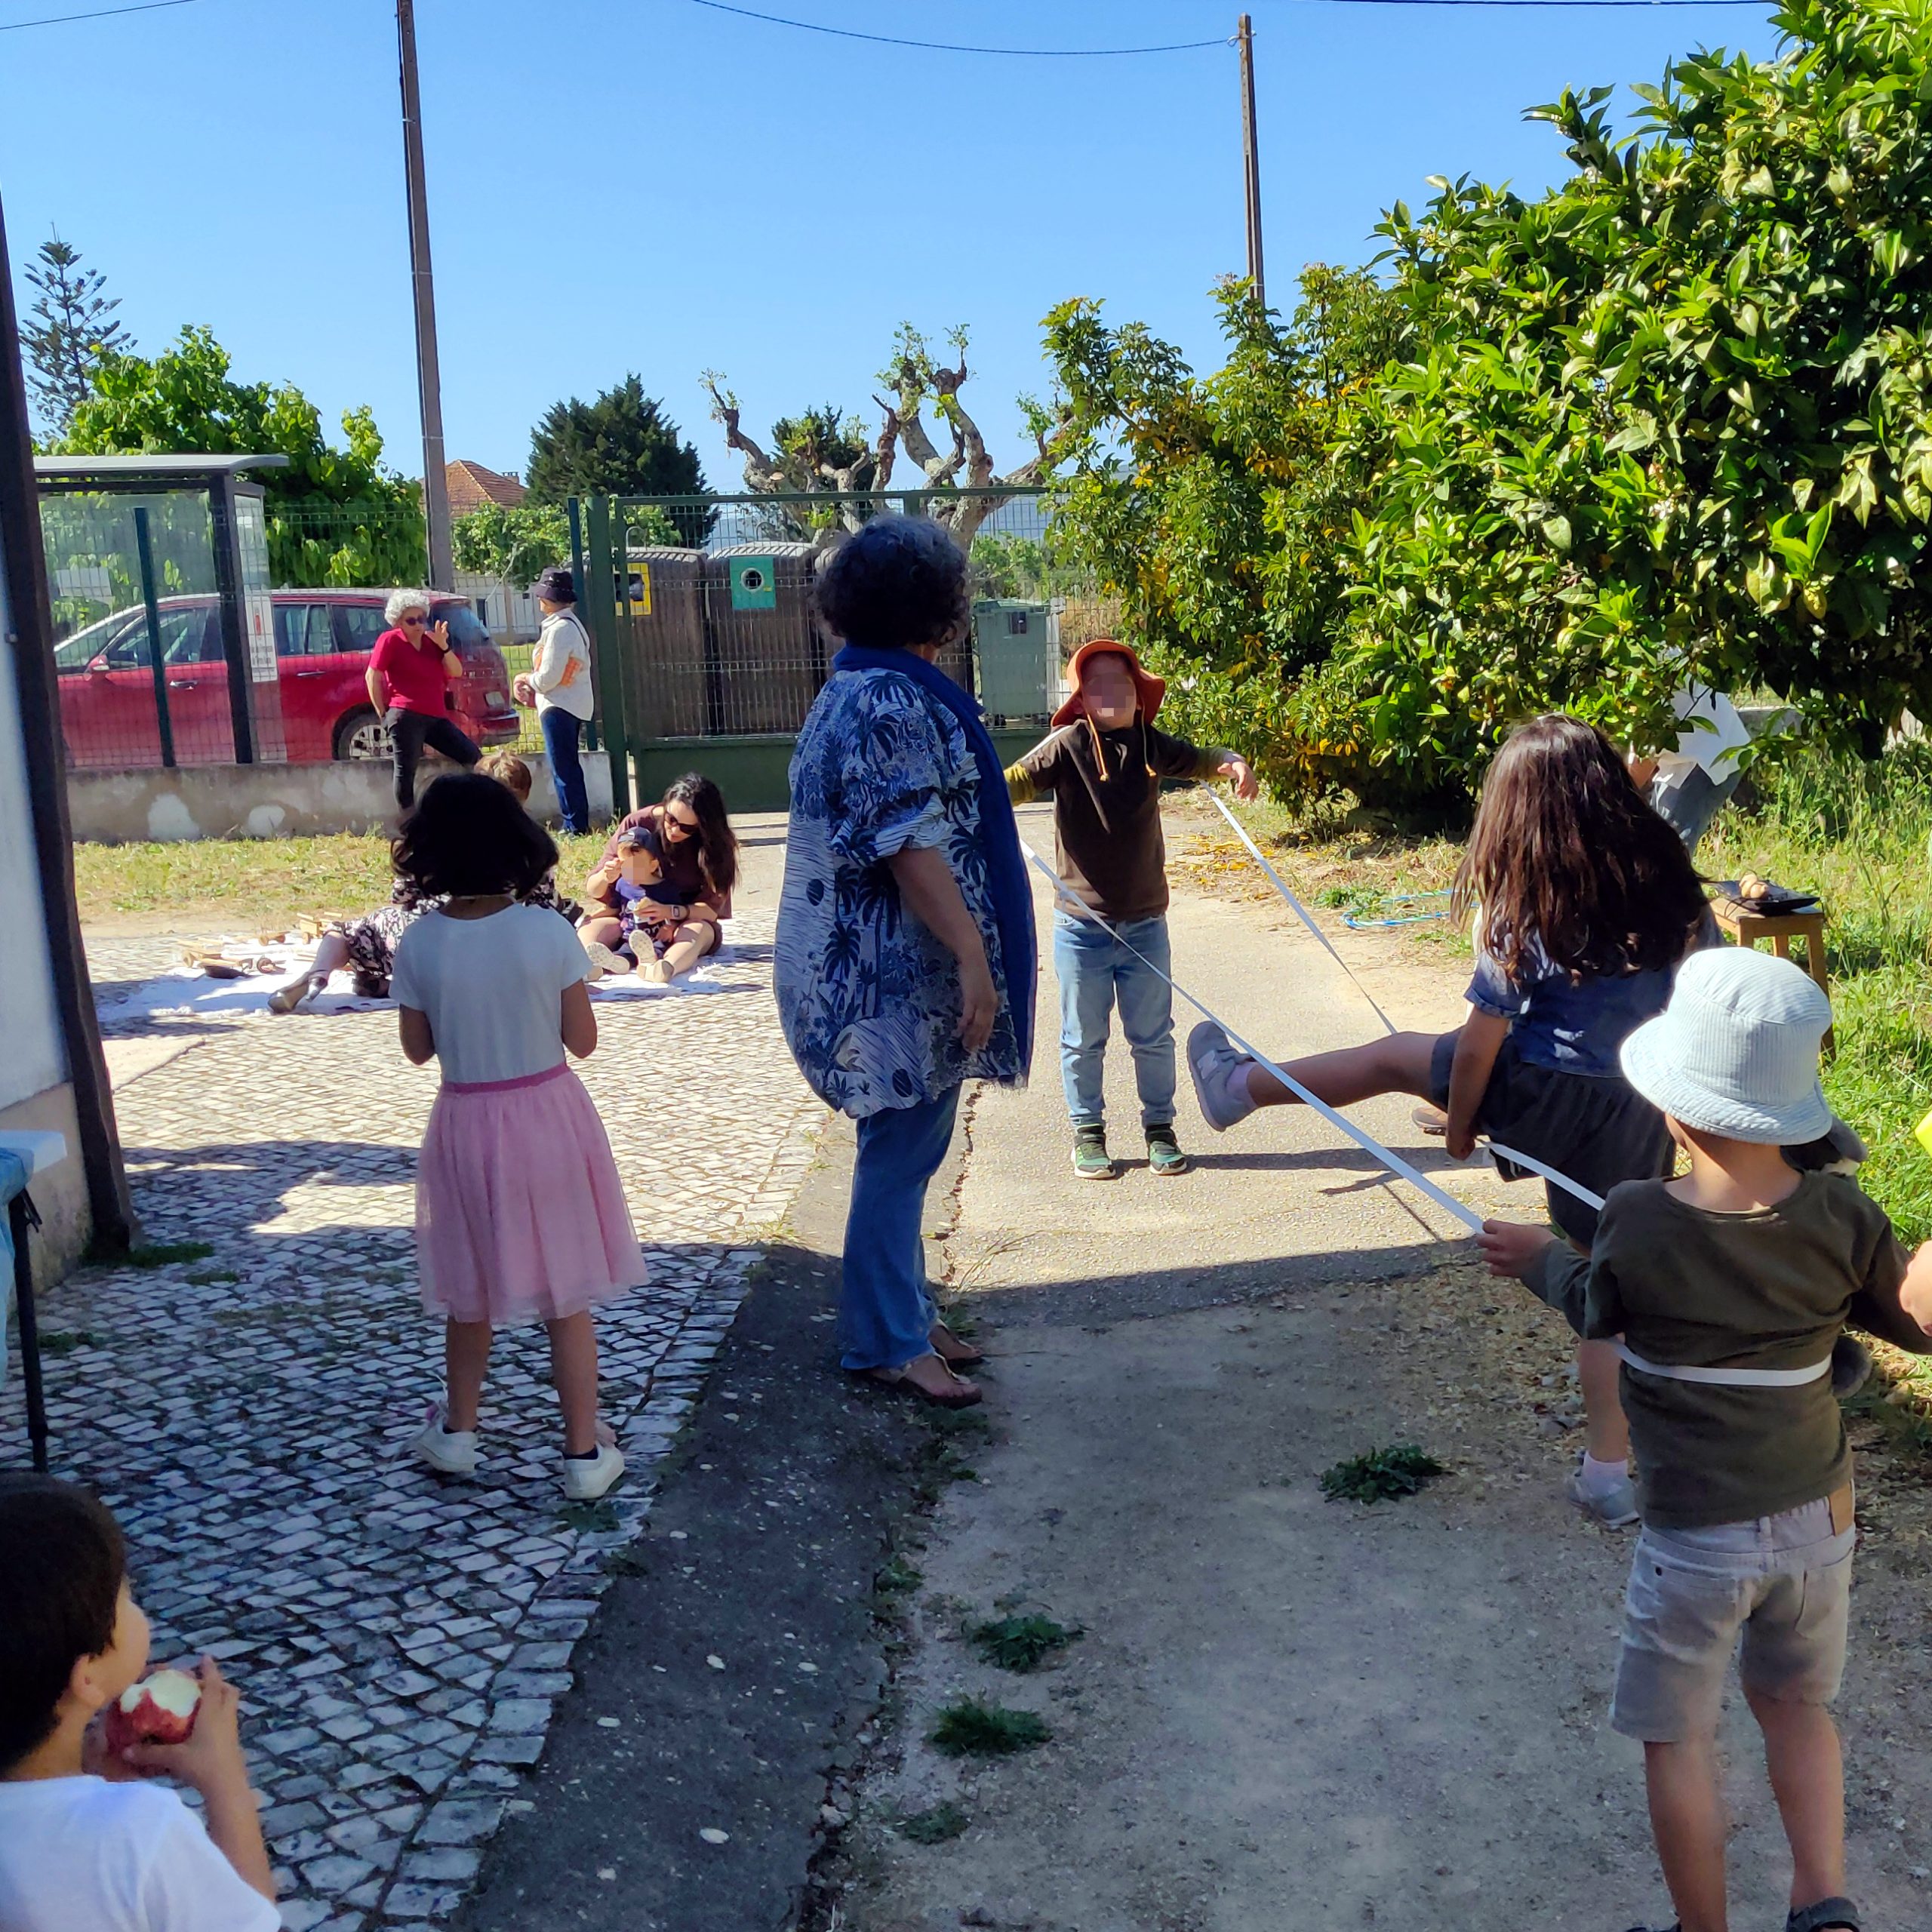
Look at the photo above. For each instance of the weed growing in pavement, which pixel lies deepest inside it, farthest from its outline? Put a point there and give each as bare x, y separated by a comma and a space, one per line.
897, 1578
600, 1515
62, 1341
165, 1254
206, 1277
1023, 1643
1381, 1475
625, 1562
943, 1821
971, 1728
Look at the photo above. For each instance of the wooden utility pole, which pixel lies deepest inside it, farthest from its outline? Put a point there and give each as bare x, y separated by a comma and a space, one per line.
429, 377
1250, 154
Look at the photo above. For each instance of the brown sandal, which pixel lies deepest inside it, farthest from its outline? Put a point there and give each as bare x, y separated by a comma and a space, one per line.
961, 1395
963, 1355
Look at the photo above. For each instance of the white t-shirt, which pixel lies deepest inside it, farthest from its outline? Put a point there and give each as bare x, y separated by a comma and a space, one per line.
82, 1855
560, 666
493, 988
1713, 735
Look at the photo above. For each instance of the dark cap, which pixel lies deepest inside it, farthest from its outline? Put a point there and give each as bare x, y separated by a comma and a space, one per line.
556, 586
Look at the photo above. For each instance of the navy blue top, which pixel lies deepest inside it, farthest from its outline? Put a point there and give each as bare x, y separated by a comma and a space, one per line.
1570, 1026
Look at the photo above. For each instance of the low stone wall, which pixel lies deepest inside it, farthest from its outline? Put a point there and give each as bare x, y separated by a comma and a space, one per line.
274, 800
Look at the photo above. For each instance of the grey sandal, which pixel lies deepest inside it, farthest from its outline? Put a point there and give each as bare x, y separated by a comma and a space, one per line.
1826, 1915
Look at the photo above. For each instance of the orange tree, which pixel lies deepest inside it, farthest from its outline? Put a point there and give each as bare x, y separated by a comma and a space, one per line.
1672, 417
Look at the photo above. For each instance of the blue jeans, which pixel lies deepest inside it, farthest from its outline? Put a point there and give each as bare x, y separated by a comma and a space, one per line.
1095, 972
885, 1310
560, 732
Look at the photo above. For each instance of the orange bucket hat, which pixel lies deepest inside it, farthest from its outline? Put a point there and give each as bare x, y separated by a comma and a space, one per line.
1150, 688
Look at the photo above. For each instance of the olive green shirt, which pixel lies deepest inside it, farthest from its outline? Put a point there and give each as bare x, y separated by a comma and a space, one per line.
1769, 1290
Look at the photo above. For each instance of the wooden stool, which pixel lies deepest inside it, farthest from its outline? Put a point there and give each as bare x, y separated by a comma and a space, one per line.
1746, 925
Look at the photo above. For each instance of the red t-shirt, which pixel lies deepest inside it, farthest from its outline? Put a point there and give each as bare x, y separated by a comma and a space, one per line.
412, 676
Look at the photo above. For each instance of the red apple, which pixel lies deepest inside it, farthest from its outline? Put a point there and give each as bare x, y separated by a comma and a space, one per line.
161, 1710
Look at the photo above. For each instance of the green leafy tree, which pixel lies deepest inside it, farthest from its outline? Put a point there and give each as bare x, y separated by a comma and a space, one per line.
514, 545
1212, 506
335, 514
621, 444
69, 329
1672, 417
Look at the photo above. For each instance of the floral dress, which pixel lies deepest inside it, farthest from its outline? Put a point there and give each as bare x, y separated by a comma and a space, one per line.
372, 939
868, 999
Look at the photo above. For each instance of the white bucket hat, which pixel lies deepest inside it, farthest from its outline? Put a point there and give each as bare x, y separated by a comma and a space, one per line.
1736, 1051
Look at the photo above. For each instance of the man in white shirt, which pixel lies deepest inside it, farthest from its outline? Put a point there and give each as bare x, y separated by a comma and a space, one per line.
1689, 785
559, 684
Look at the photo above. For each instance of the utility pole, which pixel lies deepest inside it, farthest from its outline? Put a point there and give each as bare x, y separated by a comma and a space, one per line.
429, 377
1250, 156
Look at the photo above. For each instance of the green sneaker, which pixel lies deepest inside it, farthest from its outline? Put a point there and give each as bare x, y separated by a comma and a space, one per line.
1163, 1154
1091, 1160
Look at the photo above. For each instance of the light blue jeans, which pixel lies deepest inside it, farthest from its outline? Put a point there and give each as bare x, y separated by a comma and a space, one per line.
886, 1311
1095, 972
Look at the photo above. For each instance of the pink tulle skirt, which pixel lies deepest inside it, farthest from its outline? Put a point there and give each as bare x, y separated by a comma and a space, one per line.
520, 1216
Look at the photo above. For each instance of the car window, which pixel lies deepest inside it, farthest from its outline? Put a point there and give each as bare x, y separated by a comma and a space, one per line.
181, 633
79, 651
467, 629
303, 630
358, 625
195, 640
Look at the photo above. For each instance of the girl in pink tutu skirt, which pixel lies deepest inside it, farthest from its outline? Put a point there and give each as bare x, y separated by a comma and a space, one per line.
520, 1215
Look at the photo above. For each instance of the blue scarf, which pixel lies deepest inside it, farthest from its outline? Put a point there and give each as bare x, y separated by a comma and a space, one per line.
999, 836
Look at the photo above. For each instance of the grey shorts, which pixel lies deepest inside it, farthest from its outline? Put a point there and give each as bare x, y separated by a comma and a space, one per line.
1782, 1583
1598, 1130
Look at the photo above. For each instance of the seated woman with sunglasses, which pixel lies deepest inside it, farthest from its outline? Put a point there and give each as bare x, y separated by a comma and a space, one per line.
699, 858
409, 676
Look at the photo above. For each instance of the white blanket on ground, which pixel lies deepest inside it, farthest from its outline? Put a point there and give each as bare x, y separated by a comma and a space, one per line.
183, 990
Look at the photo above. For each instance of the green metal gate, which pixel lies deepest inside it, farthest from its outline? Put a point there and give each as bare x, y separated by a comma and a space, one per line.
709, 654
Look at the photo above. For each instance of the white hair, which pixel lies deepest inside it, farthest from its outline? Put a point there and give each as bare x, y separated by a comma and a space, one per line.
401, 600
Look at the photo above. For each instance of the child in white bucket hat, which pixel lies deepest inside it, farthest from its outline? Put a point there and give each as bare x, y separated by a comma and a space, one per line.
1728, 1288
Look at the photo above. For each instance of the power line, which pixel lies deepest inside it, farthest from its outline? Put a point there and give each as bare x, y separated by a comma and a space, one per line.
99, 14
950, 46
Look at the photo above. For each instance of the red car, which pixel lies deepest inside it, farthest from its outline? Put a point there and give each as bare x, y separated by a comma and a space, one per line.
322, 642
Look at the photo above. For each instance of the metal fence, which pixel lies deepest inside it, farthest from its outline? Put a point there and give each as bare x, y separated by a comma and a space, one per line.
711, 615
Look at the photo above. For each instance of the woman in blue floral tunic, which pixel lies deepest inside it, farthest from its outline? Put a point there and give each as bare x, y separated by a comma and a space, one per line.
905, 955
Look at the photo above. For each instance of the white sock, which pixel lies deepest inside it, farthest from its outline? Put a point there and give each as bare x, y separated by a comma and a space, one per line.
1600, 1479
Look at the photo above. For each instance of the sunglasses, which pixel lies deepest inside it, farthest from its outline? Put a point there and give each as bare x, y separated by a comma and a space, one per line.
412, 624
686, 825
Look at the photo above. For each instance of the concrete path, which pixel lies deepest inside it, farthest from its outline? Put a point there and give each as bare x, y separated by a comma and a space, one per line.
1287, 1713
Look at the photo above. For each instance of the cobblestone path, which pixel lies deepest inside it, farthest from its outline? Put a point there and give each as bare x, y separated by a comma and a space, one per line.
399, 1639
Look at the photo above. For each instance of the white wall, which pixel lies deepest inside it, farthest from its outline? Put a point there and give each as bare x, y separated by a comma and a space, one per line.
32, 1057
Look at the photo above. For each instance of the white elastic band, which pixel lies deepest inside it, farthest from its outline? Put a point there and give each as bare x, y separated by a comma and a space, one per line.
1728, 1378
1524, 1160
1392, 1161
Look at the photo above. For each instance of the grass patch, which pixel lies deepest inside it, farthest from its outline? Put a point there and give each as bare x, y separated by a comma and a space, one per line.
208, 1277
1382, 1475
972, 1727
625, 1562
256, 885
897, 1578
165, 1254
600, 1515
1023, 1643
934, 1826
65, 1341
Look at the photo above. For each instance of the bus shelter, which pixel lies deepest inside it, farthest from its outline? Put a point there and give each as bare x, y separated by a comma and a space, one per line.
157, 573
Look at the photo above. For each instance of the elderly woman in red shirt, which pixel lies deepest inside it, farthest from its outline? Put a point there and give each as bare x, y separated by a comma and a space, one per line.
409, 676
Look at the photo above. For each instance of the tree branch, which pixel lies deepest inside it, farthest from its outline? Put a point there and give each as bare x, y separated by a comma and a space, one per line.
762, 472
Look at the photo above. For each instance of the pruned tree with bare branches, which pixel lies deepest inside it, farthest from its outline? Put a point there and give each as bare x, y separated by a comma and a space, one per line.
823, 452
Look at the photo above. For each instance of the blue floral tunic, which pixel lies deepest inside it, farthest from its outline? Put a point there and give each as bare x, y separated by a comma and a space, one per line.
868, 997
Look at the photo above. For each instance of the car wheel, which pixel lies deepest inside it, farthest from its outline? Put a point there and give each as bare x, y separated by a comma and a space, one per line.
362, 735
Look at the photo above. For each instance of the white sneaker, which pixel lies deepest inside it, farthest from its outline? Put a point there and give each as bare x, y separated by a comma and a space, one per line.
450, 1451
603, 961
586, 1478
1220, 1077
1614, 1507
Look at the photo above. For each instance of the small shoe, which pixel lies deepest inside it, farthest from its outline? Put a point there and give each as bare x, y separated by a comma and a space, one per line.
1615, 1508
1091, 1160
1827, 1915
1431, 1121
1851, 1366
604, 963
586, 1478
1163, 1155
451, 1452
1220, 1077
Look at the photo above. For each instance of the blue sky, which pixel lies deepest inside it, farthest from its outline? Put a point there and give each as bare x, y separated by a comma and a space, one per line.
649, 185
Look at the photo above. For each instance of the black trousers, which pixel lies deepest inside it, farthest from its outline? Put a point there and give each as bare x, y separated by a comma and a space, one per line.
409, 732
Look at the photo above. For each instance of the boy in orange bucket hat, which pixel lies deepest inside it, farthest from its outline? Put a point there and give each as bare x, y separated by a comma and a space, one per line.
1103, 766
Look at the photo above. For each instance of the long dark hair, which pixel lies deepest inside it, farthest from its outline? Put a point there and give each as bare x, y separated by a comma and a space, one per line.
469, 836
717, 843
1567, 857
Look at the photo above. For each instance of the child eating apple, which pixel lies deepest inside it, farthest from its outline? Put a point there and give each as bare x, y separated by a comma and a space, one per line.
87, 1844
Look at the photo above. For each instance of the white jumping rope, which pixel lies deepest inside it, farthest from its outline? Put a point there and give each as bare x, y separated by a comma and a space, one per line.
1516, 1159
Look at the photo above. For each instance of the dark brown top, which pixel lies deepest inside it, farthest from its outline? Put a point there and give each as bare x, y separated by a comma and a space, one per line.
682, 866
1106, 787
